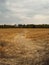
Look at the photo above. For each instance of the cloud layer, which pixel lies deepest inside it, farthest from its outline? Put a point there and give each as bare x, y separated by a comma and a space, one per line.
24, 11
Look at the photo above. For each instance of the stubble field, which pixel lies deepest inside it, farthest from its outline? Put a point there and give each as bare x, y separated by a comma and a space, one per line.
24, 46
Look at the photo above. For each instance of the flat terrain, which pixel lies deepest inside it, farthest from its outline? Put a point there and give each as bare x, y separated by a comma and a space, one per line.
24, 46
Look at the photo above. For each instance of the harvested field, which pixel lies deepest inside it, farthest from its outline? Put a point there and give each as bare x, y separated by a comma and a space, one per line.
24, 46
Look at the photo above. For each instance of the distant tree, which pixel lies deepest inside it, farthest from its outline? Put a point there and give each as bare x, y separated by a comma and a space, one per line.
25, 26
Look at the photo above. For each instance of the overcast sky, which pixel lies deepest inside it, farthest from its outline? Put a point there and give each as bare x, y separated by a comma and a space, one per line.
24, 11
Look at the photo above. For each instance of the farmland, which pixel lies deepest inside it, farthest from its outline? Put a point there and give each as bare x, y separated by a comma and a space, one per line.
24, 46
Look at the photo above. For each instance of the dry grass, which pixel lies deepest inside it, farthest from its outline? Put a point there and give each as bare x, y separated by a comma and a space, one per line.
22, 46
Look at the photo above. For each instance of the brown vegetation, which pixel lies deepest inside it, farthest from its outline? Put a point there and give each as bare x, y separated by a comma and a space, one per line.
24, 46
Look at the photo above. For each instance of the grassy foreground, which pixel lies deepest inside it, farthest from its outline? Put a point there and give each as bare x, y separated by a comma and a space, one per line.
20, 46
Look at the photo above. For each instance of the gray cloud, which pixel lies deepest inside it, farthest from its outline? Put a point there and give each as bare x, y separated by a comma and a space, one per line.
24, 11
2, 1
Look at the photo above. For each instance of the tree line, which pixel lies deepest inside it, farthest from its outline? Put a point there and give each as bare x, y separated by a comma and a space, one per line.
25, 26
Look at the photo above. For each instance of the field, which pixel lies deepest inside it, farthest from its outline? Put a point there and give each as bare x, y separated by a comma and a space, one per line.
24, 46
